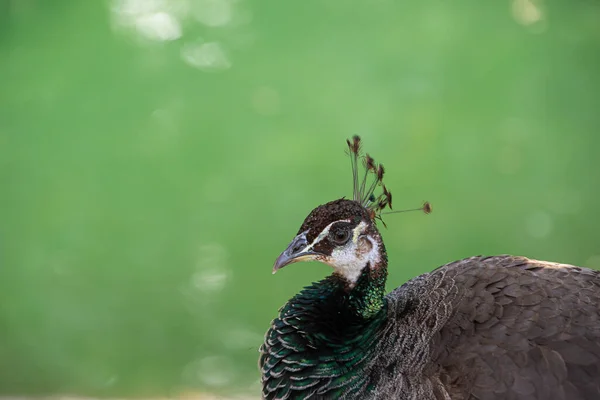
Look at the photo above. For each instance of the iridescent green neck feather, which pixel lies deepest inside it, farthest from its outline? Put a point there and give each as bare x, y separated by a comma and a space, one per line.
366, 298
323, 337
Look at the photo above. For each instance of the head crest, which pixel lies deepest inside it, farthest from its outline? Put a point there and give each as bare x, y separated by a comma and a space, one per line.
364, 189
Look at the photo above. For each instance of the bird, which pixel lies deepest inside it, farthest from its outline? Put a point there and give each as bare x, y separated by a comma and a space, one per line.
481, 328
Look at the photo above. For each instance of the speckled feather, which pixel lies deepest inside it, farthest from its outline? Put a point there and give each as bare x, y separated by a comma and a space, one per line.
481, 328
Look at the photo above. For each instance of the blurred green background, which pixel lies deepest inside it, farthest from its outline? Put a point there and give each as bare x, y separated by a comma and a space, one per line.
157, 155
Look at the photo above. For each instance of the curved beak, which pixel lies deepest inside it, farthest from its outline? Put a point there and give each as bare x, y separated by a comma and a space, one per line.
298, 250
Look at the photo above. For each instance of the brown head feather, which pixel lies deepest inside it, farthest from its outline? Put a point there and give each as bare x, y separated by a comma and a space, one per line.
380, 172
427, 208
369, 163
335, 210
356, 144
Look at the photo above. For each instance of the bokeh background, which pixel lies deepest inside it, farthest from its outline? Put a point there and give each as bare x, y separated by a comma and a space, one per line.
157, 155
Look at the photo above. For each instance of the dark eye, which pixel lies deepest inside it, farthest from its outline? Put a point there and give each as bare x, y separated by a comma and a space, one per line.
339, 235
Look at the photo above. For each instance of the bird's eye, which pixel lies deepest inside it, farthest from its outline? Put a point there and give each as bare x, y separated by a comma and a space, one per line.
339, 235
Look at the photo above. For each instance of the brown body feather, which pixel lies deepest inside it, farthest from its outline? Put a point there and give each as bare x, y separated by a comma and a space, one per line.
493, 328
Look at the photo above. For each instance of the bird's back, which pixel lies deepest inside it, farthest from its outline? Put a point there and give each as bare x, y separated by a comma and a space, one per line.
493, 328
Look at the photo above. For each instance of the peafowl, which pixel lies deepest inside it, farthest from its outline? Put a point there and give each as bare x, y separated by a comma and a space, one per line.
502, 327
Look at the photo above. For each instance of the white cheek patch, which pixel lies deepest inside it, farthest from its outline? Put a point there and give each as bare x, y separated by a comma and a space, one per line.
345, 262
350, 260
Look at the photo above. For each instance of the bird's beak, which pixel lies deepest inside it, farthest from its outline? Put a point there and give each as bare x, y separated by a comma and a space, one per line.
298, 250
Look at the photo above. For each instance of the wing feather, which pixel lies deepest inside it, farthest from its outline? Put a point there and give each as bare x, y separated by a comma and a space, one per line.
520, 329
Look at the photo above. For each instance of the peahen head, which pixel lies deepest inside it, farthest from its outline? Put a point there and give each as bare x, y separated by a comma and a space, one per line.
343, 233
340, 234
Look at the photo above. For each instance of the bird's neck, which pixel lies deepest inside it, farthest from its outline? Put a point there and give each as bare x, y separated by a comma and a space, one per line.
334, 309
326, 334
364, 299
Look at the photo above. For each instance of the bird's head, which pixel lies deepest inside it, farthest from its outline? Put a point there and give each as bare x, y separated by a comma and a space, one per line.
343, 233
340, 234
